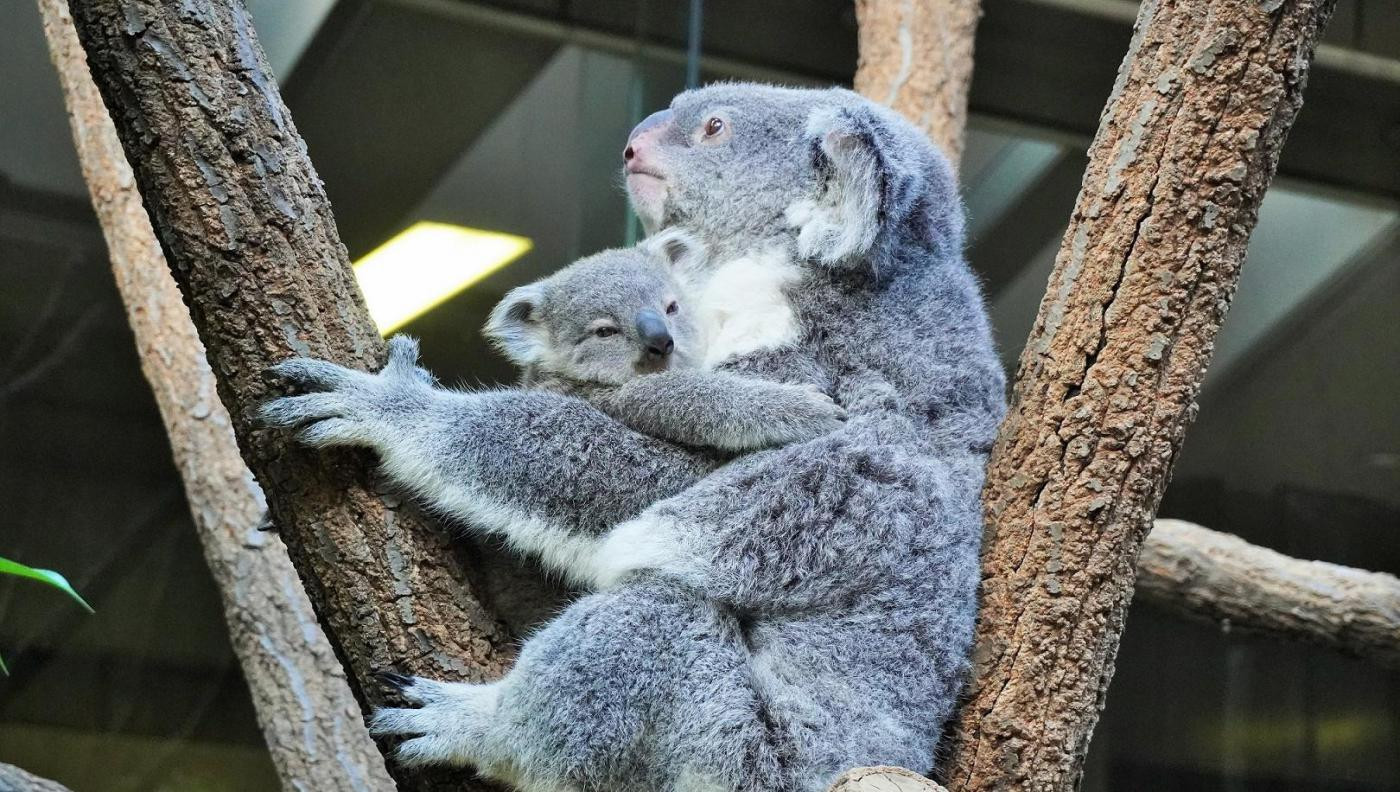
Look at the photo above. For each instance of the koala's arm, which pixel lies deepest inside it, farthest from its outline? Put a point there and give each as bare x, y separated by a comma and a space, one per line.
731, 412
548, 472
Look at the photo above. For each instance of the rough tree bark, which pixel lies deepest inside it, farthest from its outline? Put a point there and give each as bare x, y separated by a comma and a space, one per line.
916, 56
309, 718
1107, 384
1203, 573
247, 229
13, 779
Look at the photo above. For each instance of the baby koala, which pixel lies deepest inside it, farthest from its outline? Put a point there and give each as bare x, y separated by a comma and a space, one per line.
615, 329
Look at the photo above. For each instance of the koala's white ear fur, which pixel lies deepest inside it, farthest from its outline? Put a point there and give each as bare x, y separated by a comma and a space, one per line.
841, 224
515, 327
685, 252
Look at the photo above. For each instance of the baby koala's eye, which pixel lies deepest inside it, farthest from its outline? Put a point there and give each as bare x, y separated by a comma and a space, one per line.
605, 331
672, 307
714, 126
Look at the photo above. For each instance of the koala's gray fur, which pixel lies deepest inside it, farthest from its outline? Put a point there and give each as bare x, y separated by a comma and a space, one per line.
800, 610
554, 330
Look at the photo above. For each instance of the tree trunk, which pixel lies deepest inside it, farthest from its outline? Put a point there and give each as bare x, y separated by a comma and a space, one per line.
13, 779
1202, 573
916, 57
309, 719
247, 230
1107, 383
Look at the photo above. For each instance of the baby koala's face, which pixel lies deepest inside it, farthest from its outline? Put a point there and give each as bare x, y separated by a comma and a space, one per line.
602, 320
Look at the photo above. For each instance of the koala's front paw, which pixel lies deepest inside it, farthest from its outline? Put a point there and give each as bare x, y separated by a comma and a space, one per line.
341, 406
447, 725
814, 415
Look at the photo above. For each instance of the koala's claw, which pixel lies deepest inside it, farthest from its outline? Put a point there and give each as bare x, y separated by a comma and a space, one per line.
335, 432
392, 679
294, 411
312, 374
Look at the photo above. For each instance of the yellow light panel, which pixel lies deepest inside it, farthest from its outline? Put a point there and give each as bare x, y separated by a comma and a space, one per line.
427, 263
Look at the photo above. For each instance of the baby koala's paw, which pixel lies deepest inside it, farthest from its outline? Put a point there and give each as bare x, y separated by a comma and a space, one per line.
815, 414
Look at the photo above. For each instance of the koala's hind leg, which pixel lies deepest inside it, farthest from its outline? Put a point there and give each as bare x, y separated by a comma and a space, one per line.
641, 688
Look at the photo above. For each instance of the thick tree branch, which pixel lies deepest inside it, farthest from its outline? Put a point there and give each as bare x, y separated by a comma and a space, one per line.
247, 229
1107, 383
309, 718
1203, 573
916, 56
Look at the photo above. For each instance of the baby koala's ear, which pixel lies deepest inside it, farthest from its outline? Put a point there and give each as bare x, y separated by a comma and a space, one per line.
516, 327
680, 248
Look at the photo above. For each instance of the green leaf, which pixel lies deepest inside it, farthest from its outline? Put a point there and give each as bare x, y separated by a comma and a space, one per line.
46, 576
3, 669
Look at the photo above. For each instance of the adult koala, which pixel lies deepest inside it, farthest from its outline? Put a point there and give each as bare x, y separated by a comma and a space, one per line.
797, 612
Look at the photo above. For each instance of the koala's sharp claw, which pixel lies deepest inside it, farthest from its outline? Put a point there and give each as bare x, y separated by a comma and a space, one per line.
392, 679
292, 411
333, 432
311, 373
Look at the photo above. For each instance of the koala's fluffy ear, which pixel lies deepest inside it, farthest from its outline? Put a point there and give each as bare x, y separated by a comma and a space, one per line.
515, 326
884, 178
684, 251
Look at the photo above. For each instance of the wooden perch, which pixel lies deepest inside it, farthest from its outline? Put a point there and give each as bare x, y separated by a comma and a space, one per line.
884, 779
1203, 573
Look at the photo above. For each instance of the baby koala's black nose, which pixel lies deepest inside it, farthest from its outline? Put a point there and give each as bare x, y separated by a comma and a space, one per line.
656, 339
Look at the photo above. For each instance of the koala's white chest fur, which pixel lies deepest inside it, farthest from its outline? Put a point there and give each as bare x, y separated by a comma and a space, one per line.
742, 306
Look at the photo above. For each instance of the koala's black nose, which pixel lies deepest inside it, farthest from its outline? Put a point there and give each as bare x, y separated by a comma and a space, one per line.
656, 339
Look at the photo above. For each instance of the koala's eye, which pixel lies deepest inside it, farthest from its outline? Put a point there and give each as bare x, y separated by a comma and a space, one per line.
714, 126
672, 307
605, 331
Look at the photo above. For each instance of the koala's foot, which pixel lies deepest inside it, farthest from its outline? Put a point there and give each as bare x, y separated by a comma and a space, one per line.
341, 406
448, 724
